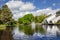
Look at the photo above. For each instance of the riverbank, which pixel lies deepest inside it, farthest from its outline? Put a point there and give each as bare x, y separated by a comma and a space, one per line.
6, 34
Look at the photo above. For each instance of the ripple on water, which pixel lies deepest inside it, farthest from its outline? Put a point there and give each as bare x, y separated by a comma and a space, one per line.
36, 36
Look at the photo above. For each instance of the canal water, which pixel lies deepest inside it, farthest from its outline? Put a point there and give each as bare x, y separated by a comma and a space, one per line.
52, 33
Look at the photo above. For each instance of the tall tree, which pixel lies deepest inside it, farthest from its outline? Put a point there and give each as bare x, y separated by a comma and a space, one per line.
5, 14
6, 18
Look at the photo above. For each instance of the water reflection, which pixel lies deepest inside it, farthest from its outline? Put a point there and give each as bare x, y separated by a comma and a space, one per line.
39, 32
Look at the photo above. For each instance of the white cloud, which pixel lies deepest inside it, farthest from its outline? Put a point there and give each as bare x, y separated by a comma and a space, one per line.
45, 11
19, 9
20, 5
27, 6
15, 4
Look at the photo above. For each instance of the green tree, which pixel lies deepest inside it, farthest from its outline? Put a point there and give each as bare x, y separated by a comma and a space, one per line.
58, 22
0, 11
0, 16
5, 14
27, 19
39, 19
6, 17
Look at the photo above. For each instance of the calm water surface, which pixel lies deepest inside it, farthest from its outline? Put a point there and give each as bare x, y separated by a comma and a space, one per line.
52, 33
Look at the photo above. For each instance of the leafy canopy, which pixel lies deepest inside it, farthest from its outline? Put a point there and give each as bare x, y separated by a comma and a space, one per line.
39, 19
27, 19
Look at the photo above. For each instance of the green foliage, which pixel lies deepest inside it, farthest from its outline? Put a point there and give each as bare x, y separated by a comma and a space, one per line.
0, 11
2, 27
12, 23
1, 22
58, 22
6, 17
5, 14
39, 19
27, 19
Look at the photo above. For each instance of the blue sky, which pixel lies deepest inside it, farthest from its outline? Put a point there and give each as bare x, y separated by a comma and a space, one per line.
40, 4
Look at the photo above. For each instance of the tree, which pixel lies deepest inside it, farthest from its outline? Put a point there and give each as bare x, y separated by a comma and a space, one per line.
27, 19
0, 16
39, 19
0, 11
6, 17
5, 14
58, 24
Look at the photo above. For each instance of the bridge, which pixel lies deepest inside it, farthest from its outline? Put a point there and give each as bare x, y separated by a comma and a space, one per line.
49, 21
52, 19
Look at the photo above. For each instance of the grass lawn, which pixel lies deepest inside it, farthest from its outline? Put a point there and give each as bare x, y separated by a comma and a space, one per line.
2, 27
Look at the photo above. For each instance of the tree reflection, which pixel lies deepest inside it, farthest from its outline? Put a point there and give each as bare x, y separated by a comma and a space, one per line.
40, 29
27, 29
